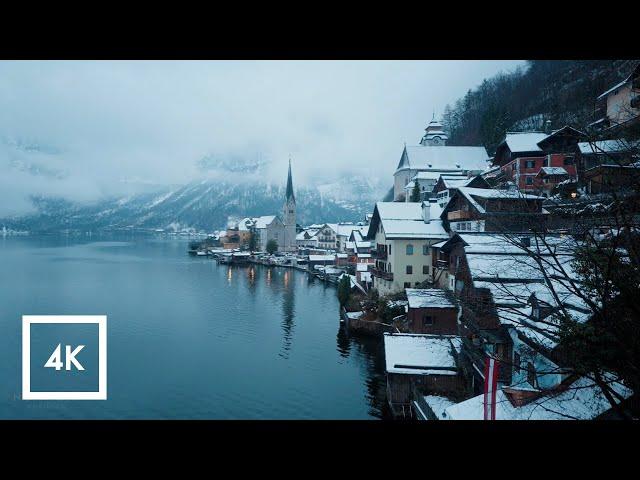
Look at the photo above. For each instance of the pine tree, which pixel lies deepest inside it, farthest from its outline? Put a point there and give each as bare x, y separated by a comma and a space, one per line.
415, 193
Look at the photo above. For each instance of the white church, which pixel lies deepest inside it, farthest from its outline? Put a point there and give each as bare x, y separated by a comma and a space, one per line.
425, 162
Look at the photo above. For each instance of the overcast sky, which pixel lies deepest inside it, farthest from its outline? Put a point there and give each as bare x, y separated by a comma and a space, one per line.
108, 124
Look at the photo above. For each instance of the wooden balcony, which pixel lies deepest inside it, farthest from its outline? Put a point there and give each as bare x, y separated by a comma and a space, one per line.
458, 215
380, 274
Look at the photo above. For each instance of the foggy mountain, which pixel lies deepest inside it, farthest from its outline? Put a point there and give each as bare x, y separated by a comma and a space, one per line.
231, 187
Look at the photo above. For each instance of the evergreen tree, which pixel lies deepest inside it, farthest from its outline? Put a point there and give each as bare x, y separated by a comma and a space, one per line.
272, 246
344, 290
415, 193
253, 241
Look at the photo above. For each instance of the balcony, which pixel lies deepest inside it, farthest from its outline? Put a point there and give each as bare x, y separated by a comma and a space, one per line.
443, 264
379, 254
380, 274
458, 215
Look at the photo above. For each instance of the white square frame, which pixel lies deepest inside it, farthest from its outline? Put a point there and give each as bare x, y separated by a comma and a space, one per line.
28, 320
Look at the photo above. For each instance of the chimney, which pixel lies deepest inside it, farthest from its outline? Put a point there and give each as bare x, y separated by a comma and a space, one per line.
426, 212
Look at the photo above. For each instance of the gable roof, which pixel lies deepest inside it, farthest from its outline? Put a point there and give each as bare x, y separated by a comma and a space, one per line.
553, 171
443, 158
404, 220
472, 194
523, 142
583, 400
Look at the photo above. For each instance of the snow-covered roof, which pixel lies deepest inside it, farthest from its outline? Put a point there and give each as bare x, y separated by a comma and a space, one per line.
428, 298
435, 175
260, 222
454, 182
265, 220
413, 229
583, 400
321, 258
444, 158
616, 86
606, 146
311, 232
416, 354
399, 210
553, 171
473, 193
404, 220
438, 405
524, 141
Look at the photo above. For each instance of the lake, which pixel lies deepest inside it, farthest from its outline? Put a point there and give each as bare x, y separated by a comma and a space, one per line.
187, 338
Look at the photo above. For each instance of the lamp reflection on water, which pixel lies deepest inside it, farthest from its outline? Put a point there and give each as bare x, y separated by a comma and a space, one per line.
229, 274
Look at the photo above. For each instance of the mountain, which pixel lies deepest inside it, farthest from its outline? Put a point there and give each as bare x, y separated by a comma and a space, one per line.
562, 91
202, 206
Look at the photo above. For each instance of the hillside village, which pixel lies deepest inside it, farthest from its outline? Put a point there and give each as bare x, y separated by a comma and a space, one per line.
474, 274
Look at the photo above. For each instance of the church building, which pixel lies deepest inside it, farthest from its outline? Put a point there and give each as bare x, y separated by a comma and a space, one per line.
433, 157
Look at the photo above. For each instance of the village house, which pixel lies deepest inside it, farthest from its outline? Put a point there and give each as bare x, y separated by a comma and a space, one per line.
427, 181
447, 184
618, 108
521, 156
326, 235
489, 210
433, 157
609, 165
432, 311
418, 365
402, 234
307, 238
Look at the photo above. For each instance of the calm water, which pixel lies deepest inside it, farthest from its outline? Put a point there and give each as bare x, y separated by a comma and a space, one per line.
187, 338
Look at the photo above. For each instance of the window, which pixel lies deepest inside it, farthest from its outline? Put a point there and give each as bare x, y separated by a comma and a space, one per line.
531, 375
389, 249
409, 249
427, 321
409, 269
516, 362
425, 249
528, 180
530, 164
425, 269
545, 163
568, 161
407, 284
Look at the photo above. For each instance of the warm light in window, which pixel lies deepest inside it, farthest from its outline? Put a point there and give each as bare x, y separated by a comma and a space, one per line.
574, 194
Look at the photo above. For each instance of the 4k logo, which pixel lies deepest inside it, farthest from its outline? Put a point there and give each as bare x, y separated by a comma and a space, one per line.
73, 370
55, 361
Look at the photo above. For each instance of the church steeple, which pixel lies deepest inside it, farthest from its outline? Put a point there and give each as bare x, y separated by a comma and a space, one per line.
290, 194
289, 216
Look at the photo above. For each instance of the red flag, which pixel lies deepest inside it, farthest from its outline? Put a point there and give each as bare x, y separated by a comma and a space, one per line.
491, 369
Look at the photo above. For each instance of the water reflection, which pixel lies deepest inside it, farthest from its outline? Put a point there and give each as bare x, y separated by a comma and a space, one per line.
288, 315
369, 352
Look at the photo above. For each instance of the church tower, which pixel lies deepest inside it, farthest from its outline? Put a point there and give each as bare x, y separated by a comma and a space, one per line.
289, 216
435, 135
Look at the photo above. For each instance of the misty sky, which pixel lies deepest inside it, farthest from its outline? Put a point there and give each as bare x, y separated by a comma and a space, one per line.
106, 128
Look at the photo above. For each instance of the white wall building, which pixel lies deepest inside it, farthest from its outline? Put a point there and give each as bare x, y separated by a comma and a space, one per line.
404, 233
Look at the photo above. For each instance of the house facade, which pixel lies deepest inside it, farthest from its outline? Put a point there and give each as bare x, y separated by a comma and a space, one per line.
489, 210
402, 235
521, 156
